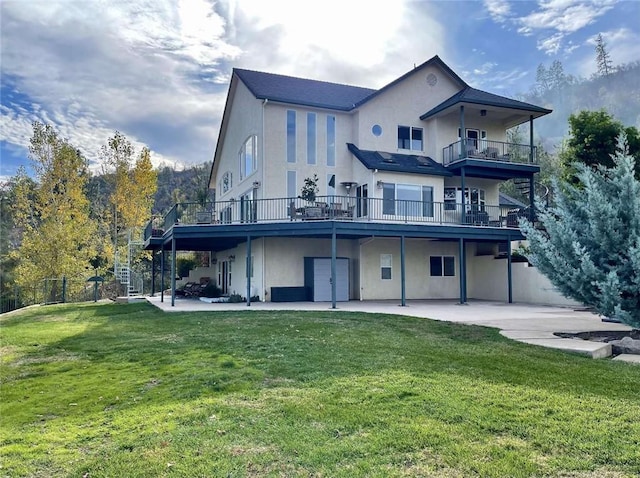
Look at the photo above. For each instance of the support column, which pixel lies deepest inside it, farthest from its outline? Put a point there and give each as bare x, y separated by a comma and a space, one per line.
463, 272
531, 146
162, 267
173, 271
509, 277
153, 273
334, 246
463, 136
532, 198
402, 271
464, 202
248, 268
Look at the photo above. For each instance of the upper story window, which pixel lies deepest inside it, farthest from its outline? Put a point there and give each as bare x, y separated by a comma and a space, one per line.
410, 138
249, 157
226, 182
331, 140
291, 136
311, 138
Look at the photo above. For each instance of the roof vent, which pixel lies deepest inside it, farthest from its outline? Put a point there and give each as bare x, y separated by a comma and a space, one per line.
385, 155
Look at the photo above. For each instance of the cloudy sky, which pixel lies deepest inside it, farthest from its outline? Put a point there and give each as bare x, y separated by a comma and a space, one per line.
158, 70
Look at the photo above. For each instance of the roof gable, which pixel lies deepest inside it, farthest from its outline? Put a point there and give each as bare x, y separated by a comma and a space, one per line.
479, 97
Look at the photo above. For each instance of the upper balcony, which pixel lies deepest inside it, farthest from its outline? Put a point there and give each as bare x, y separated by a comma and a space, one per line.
491, 159
333, 208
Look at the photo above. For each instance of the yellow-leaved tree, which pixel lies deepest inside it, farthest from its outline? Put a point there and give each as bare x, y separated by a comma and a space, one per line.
57, 233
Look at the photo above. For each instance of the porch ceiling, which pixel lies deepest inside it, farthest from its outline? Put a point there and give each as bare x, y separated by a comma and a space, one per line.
483, 168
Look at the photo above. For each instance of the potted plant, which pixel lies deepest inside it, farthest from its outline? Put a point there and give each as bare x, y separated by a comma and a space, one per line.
310, 189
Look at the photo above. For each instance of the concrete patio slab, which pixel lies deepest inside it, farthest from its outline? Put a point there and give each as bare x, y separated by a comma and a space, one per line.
630, 358
532, 324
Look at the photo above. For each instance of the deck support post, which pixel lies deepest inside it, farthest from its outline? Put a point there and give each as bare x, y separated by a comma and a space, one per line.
509, 273
334, 246
463, 136
248, 268
463, 214
463, 272
402, 272
153, 273
173, 271
162, 274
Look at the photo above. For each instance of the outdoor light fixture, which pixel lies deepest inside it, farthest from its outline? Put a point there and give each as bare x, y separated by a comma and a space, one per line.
483, 112
232, 258
348, 185
380, 184
256, 184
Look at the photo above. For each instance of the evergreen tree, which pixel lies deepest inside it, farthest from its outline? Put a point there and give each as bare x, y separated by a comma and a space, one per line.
602, 57
589, 247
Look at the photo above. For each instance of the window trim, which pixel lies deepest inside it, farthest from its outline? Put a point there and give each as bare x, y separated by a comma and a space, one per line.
243, 156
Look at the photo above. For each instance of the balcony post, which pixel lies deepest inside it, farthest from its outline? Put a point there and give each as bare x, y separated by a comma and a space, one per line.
463, 273
162, 274
462, 185
402, 272
153, 272
249, 265
463, 139
173, 271
334, 247
509, 277
531, 146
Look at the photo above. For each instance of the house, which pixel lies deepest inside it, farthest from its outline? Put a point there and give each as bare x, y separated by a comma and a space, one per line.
407, 203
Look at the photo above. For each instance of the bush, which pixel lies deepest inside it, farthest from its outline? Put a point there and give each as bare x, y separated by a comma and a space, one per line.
211, 290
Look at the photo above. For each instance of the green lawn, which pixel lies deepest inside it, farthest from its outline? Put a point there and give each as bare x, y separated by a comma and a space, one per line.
127, 391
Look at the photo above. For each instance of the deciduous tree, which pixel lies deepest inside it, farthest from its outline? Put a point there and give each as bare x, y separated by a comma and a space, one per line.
57, 235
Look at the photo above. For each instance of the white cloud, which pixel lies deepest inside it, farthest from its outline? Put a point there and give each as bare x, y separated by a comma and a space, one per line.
499, 10
485, 68
551, 45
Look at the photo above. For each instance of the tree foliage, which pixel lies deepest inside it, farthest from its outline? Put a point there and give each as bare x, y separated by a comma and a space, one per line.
590, 245
595, 137
53, 212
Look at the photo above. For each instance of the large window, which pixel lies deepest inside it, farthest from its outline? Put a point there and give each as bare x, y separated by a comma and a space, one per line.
249, 157
410, 138
311, 138
442, 266
291, 136
331, 140
407, 200
386, 263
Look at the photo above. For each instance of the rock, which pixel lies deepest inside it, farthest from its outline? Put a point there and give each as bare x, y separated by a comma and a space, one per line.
626, 345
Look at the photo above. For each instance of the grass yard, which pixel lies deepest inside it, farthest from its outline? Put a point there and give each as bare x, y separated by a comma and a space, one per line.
127, 391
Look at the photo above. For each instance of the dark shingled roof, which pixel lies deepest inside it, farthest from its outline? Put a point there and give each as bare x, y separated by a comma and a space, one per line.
300, 91
508, 201
399, 163
472, 95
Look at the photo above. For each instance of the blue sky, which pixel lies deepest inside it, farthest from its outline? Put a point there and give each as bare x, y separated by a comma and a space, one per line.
158, 70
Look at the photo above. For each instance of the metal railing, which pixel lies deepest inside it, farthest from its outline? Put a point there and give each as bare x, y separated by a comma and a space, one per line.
490, 150
341, 208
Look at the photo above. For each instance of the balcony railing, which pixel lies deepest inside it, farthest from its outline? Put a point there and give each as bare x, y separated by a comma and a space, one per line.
490, 150
341, 208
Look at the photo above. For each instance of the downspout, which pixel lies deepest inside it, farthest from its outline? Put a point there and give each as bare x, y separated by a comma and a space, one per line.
262, 168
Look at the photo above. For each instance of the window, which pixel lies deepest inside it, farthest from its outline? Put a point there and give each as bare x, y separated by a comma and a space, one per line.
248, 157
291, 136
386, 261
440, 266
407, 200
292, 189
311, 138
226, 183
331, 140
474, 198
362, 204
248, 206
410, 138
